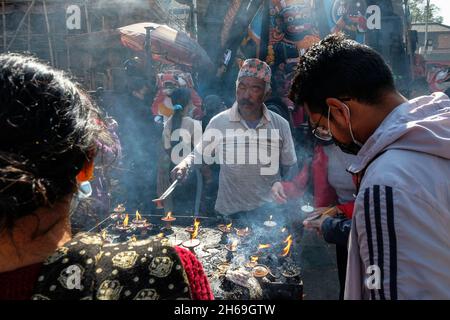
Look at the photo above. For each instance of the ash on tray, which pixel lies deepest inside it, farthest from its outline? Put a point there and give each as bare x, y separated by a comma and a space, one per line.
230, 275
290, 270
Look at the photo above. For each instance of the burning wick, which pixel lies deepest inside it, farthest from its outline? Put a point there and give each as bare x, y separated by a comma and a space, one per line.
243, 232
160, 235
269, 223
307, 208
263, 246
141, 223
138, 216
225, 228
195, 231
287, 249
253, 262
138, 220
232, 247
168, 219
123, 227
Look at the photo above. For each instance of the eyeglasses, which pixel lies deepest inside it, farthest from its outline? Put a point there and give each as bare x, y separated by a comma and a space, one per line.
322, 133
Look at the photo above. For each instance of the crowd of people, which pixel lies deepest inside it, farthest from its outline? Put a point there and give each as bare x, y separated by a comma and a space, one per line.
377, 169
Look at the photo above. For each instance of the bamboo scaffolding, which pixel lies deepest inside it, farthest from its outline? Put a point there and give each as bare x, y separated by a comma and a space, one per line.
50, 46
4, 25
29, 33
20, 24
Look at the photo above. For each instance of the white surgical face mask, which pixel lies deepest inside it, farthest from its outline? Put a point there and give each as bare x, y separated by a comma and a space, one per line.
352, 147
85, 190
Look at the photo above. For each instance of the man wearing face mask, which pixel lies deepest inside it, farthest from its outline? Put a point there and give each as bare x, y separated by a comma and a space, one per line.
399, 242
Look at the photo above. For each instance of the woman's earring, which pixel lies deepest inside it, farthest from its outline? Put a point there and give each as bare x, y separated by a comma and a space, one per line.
87, 172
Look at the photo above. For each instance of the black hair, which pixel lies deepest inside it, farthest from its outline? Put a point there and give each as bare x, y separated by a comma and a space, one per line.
181, 97
49, 129
337, 67
134, 67
211, 106
137, 83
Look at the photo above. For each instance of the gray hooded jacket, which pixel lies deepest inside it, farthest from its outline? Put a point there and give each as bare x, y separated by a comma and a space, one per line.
401, 223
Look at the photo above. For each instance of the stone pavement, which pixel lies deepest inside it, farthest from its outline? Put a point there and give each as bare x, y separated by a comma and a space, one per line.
320, 275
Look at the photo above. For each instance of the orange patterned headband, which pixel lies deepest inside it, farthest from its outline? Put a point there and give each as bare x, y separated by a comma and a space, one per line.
255, 68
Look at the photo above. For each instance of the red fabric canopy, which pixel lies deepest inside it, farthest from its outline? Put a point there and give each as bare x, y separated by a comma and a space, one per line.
167, 44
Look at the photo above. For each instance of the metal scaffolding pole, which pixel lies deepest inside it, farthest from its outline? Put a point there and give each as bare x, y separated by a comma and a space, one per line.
49, 38
29, 33
194, 19
427, 17
409, 45
88, 22
4, 25
90, 74
20, 24
68, 56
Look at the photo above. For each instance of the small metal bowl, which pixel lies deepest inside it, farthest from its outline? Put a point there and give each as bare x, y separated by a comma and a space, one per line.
260, 271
